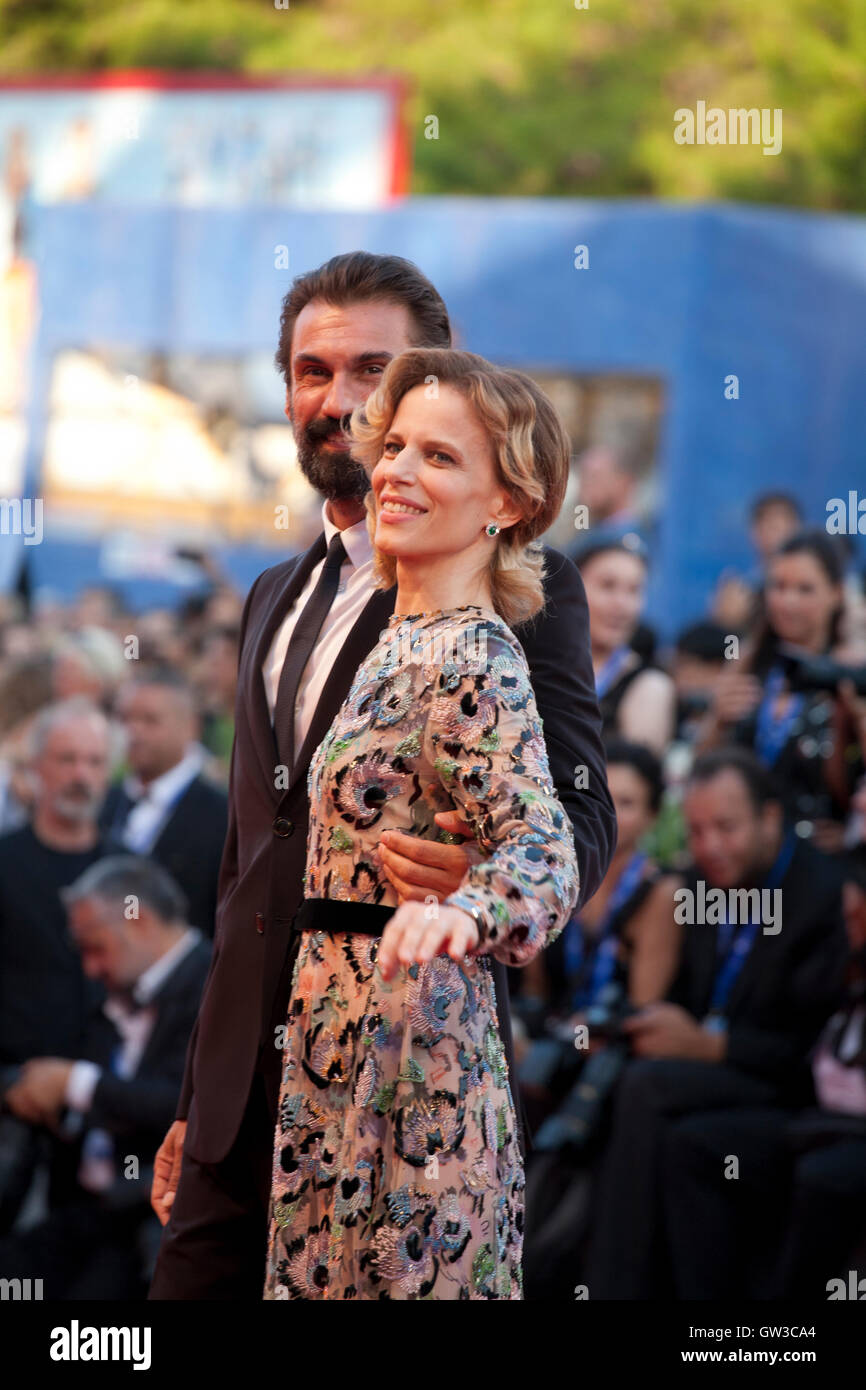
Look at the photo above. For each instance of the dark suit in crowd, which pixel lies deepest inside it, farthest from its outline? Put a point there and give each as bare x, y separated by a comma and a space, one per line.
216, 1236
45, 998
189, 844
787, 988
99, 1245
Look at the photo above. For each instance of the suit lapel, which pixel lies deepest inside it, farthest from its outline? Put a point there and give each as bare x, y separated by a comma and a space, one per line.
165, 837
360, 641
165, 1003
261, 639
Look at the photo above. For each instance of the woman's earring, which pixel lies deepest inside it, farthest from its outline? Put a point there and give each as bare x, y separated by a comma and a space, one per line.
492, 529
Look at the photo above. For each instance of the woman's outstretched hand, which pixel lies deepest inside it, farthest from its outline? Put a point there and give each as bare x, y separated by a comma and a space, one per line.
419, 931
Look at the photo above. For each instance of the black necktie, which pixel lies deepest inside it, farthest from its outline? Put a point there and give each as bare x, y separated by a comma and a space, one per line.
303, 639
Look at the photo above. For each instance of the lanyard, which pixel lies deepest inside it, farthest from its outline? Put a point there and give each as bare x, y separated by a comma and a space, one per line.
610, 670
771, 733
607, 949
732, 953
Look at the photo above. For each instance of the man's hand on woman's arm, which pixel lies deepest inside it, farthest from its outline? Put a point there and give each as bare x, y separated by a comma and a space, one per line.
419, 868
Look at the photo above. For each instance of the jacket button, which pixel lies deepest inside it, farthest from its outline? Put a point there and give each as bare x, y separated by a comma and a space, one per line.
260, 924
283, 827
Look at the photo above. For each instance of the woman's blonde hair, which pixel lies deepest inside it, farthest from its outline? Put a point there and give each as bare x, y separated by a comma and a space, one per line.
531, 456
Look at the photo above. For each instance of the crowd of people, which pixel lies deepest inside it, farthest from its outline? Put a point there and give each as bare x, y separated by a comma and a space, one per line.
695, 1085
116, 732
696, 1080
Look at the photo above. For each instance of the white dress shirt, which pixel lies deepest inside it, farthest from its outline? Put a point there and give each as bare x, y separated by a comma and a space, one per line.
97, 1169
841, 1087
154, 802
355, 589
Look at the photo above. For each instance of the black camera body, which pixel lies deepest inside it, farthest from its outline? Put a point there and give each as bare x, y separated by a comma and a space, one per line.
809, 675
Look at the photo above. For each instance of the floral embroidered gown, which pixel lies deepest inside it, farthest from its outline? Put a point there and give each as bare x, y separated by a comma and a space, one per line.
397, 1172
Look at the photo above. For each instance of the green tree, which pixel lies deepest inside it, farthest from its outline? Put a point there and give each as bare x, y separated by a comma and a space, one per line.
532, 96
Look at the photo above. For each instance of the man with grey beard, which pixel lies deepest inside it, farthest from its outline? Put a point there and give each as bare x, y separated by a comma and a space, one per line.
45, 998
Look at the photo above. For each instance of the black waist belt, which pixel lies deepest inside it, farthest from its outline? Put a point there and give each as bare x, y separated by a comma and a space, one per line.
335, 915
370, 919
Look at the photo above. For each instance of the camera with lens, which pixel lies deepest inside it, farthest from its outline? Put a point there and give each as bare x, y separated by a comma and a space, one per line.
808, 674
606, 1016
578, 1123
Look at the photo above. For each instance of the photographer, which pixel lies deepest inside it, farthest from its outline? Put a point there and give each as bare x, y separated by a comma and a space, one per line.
636, 700
698, 664
785, 704
623, 941
793, 1220
620, 952
744, 1011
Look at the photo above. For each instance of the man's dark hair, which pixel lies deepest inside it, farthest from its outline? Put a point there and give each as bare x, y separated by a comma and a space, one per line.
642, 760
169, 677
122, 876
605, 542
767, 501
357, 277
705, 640
760, 783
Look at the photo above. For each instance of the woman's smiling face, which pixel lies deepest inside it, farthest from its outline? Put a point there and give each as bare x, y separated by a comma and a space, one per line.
435, 484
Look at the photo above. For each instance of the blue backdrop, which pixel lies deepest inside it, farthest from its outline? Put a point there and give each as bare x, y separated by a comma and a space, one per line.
687, 293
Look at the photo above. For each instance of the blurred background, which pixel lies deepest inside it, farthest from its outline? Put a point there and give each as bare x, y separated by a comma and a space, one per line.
696, 312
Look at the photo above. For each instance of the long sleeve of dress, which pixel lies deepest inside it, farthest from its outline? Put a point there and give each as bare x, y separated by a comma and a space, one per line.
484, 738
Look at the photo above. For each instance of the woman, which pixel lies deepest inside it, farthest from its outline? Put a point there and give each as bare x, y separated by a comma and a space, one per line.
624, 940
627, 933
397, 1172
636, 702
806, 736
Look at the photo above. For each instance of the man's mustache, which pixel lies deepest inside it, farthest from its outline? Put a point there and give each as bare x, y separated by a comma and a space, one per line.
319, 430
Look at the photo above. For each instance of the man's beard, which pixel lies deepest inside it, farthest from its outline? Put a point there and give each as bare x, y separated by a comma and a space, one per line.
335, 475
77, 804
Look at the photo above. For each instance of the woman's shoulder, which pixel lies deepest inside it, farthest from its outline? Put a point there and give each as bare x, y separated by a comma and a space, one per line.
484, 645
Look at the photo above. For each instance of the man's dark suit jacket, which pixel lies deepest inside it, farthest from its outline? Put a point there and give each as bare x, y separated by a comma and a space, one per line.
138, 1110
189, 846
790, 983
261, 878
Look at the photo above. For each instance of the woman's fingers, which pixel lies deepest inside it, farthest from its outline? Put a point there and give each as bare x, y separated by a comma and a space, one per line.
464, 937
414, 936
392, 938
421, 925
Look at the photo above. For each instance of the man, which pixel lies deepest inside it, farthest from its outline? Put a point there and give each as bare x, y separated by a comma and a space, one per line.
166, 808
609, 485
119, 1091
306, 627
748, 1003
45, 999
794, 1218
